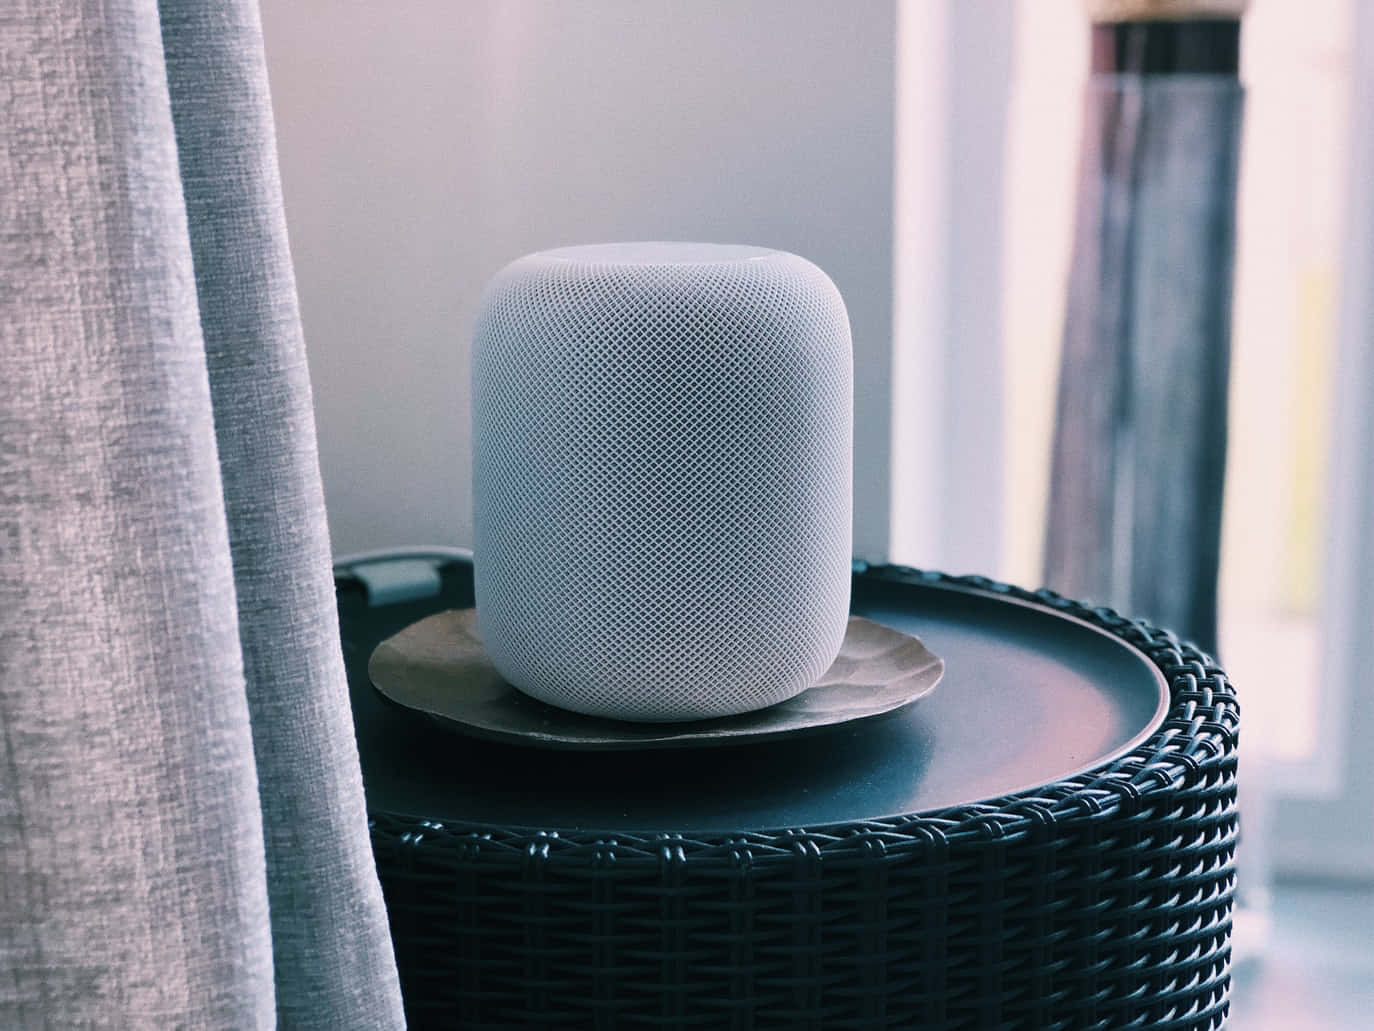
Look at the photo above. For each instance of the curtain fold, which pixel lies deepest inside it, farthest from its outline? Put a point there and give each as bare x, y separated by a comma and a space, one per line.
183, 840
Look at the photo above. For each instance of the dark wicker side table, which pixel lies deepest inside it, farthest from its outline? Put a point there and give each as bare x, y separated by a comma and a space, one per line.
873, 877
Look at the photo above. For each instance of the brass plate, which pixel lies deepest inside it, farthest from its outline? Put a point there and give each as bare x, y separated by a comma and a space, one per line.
438, 667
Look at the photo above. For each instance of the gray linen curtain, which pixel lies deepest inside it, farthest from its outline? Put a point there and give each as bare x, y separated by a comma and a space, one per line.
183, 841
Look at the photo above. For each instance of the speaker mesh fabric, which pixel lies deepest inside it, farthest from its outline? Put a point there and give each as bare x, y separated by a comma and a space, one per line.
662, 451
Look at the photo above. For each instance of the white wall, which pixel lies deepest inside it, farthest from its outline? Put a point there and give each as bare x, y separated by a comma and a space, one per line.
424, 144
953, 81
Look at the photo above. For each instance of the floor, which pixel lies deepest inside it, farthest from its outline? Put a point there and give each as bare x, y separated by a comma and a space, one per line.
1314, 968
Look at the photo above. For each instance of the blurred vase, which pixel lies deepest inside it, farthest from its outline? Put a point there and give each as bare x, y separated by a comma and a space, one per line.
1140, 437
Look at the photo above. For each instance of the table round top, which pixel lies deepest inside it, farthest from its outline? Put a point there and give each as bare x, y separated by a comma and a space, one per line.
1030, 697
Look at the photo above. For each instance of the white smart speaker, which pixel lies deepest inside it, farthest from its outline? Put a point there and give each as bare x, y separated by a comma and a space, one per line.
661, 477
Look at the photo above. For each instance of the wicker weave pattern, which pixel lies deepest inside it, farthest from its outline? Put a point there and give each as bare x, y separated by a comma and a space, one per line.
1103, 901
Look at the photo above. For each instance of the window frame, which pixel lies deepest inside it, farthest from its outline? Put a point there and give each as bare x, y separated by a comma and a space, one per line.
1323, 818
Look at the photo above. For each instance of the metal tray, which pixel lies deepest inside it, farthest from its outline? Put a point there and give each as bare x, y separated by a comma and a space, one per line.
438, 669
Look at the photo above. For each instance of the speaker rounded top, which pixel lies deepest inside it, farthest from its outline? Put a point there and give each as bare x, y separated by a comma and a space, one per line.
657, 252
